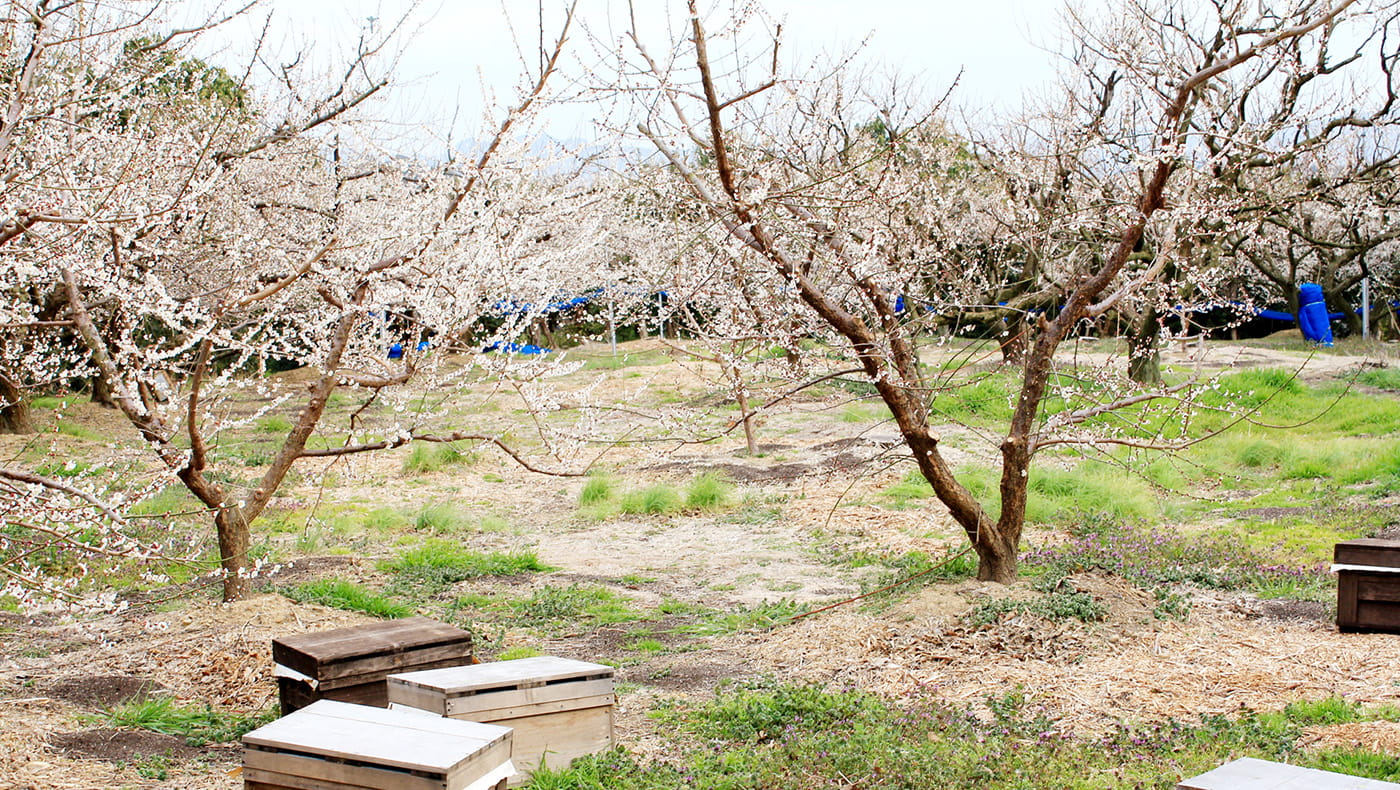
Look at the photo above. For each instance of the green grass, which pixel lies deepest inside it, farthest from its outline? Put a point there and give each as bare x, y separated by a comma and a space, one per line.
197, 724
274, 423
1380, 378
1154, 558
518, 652
427, 457
602, 498
718, 622
804, 738
70, 428
441, 518
440, 563
599, 489
341, 594
915, 567
979, 402
708, 492
553, 607
1055, 495
171, 499
656, 500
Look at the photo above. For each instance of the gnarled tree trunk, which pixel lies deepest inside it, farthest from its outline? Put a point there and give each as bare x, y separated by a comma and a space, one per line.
14, 409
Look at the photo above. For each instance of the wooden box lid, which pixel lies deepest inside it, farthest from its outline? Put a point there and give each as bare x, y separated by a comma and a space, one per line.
520, 673
356, 735
370, 648
1377, 552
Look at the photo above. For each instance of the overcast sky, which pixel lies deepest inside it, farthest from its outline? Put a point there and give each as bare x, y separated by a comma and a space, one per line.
457, 45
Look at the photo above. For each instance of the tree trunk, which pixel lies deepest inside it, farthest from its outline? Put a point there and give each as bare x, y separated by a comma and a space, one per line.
1144, 350
996, 562
232, 525
1013, 341
14, 409
101, 392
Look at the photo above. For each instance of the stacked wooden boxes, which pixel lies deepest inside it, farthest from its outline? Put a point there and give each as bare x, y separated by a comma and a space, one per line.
350, 664
331, 745
559, 708
1368, 585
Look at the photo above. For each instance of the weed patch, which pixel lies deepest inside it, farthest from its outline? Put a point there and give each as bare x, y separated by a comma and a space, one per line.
552, 607
197, 724
805, 737
438, 563
341, 594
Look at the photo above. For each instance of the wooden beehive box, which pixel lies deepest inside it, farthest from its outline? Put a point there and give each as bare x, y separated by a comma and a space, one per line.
559, 708
1368, 585
350, 664
331, 745
1248, 773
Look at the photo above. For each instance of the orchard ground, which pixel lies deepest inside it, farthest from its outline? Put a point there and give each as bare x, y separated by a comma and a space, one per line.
1161, 594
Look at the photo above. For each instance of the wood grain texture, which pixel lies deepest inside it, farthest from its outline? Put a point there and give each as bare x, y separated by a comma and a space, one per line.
338, 733
1368, 551
506, 675
349, 651
1368, 601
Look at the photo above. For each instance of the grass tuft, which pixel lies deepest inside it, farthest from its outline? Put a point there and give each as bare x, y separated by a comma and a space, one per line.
197, 724
439, 562
341, 594
708, 492
428, 457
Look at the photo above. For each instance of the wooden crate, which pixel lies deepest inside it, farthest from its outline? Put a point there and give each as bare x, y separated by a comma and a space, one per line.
330, 745
559, 708
350, 664
1248, 773
1368, 585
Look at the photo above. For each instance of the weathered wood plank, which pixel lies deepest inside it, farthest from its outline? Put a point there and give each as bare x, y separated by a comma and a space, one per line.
394, 739
296, 770
506, 675
1368, 601
458, 704
1251, 774
259, 779
319, 654
1376, 588
557, 739
1368, 551
507, 716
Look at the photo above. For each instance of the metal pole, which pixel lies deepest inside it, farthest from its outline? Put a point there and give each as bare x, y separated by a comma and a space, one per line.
1365, 308
612, 325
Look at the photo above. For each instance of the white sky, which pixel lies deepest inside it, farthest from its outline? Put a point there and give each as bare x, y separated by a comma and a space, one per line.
459, 43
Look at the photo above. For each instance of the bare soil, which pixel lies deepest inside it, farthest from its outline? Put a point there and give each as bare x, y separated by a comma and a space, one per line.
808, 498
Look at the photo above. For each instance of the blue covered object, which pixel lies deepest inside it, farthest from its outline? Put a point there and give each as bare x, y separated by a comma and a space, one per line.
396, 351
1312, 314
516, 348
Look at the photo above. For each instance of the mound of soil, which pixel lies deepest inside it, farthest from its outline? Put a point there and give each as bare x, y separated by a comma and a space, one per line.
127, 745
104, 691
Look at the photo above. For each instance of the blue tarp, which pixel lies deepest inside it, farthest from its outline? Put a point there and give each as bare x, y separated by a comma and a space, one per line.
516, 348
